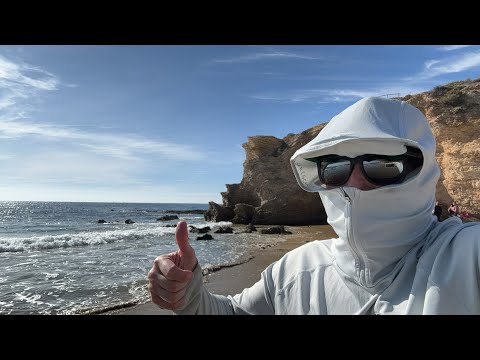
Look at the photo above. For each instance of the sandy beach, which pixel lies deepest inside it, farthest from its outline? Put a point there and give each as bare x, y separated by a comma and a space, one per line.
247, 273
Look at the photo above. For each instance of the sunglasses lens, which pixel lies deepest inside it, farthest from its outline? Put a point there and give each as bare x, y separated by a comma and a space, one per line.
384, 171
334, 173
334, 170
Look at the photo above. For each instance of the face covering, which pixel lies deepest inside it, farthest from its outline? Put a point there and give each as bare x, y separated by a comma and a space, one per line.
376, 228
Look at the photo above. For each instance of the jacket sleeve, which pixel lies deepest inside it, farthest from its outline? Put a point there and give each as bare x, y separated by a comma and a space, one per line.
253, 300
258, 299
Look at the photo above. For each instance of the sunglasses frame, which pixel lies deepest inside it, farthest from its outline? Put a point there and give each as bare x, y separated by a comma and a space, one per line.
406, 158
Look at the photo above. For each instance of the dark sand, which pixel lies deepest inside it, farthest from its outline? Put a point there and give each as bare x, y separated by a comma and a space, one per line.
246, 274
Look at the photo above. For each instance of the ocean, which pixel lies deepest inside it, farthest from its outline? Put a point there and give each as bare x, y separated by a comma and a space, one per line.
56, 259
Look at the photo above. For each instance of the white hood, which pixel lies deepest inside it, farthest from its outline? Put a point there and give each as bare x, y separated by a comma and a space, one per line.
376, 228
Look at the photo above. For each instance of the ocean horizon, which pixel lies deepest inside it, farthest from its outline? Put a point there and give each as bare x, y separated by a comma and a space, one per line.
58, 259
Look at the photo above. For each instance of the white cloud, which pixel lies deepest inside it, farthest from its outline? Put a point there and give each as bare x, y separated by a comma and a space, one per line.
430, 63
69, 175
266, 55
20, 81
20, 86
337, 95
119, 145
6, 101
68, 167
437, 67
452, 47
112, 151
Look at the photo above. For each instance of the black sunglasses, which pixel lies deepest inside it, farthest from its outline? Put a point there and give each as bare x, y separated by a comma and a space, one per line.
334, 170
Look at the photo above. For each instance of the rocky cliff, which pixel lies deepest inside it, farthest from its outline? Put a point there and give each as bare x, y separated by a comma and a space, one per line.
453, 111
269, 193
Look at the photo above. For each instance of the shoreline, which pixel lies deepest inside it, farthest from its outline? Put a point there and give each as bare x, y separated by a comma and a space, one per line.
246, 272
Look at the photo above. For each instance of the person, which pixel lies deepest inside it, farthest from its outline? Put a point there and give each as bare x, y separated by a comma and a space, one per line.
453, 209
437, 211
374, 168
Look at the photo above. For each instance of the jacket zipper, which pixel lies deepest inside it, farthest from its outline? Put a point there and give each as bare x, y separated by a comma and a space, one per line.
359, 264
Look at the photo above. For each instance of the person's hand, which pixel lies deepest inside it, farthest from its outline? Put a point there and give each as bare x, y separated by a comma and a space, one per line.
170, 274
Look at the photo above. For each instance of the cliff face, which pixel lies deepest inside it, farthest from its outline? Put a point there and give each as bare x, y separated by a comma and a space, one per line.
269, 193
453, 111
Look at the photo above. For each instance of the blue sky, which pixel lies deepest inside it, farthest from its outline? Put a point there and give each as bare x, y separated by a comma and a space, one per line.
166, 123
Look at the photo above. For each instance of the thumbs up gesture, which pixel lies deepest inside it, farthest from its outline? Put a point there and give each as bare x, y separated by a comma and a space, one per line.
171, 273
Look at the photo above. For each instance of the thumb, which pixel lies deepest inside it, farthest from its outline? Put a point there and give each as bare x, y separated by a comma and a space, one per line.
181, 235
188, 258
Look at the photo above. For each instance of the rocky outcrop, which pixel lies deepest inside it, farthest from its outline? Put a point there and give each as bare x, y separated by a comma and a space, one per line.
269, 194
453, 111
217, 213
167, 218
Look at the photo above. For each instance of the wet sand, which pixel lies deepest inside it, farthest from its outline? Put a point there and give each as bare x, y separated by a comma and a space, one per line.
233, 279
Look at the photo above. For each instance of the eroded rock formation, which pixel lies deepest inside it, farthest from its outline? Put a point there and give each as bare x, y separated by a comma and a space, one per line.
453, 111
268, 193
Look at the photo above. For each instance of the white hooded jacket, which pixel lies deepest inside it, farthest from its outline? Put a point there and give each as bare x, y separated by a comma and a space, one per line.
391, 255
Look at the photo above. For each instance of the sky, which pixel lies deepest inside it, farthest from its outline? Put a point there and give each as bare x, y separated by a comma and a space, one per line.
166, 123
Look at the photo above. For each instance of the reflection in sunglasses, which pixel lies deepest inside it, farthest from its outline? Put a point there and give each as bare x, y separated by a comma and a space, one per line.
334, 170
